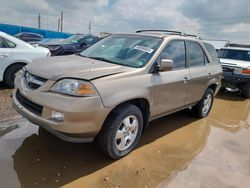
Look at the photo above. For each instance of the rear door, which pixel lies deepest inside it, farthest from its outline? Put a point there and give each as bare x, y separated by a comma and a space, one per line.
170, 87
200, 75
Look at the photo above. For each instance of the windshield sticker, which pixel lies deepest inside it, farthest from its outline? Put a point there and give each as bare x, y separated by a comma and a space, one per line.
144, 49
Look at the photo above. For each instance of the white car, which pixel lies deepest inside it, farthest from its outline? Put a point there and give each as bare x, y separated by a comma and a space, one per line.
236, 69
14, 55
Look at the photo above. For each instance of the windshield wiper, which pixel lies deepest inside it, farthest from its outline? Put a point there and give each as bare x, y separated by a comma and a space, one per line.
103, 59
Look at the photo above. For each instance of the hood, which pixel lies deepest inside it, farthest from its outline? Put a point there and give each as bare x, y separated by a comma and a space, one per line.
54, 43
235, 63
73, 66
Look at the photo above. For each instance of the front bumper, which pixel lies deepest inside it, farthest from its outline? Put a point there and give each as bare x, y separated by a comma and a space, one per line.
83, 116
234, 79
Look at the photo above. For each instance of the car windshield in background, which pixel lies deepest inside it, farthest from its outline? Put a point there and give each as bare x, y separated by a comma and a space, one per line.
128, 50
73, 39
243, 55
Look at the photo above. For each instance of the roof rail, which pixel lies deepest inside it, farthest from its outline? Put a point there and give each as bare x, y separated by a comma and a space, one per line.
159, 30
191, 35
169, 32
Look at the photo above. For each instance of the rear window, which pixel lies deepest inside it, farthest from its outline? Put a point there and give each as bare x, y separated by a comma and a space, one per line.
243, 55
212, 53
2, 43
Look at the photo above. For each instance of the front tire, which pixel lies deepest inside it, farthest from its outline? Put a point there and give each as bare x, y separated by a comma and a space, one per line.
203, 107
121, 131
9, 76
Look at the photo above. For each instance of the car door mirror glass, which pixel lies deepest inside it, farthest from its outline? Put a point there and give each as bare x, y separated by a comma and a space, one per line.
166, 65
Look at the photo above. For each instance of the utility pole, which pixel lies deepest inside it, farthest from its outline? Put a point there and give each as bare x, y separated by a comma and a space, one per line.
89, 26
58, 26
39, 21
61, 21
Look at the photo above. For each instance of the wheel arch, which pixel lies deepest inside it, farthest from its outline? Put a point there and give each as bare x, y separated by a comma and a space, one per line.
12, 64
214, 87
142, 103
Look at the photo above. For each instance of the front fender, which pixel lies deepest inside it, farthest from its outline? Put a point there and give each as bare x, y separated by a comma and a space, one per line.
115, 92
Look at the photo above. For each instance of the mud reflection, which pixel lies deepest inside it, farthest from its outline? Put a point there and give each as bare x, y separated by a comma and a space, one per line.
231, 115
45, 161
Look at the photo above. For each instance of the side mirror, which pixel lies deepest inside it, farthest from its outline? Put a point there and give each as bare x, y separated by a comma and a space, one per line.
166, 65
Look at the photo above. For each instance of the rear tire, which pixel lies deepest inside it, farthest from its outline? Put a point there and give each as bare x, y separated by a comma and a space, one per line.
9, 76
246, 90
203, 107
121, 131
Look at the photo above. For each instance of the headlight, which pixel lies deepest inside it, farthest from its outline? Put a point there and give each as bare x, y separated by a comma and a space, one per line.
237, 70
54, 48
74, 87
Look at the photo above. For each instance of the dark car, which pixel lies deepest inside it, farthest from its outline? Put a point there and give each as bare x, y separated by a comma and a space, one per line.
29, 37
71, 45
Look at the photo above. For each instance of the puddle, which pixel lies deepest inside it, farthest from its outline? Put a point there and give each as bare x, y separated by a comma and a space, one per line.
173, 151
224, 162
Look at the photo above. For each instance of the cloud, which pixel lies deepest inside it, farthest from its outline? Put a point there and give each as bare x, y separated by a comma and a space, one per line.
209, 18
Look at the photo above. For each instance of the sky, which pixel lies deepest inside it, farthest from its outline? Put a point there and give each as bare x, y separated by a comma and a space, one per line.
210, 19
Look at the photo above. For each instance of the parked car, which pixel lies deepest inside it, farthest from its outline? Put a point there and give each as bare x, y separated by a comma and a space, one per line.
71, 45
236, 69
29, 37
111, 90
14, 55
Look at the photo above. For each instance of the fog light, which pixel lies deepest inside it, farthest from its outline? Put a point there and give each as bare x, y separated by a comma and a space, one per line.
57, 115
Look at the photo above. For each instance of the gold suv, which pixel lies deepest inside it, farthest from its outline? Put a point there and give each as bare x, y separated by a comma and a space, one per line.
110, 91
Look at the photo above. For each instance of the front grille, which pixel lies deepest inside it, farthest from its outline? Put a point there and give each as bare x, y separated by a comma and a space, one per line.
33, 82
33, 107
228, 69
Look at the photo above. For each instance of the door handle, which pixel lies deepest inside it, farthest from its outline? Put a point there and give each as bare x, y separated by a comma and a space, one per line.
186, 79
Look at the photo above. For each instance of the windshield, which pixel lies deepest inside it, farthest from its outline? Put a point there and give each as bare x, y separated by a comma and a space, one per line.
128, 50
242, 55
73, 39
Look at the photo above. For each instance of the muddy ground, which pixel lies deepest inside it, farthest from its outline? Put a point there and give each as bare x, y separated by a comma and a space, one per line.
176, 151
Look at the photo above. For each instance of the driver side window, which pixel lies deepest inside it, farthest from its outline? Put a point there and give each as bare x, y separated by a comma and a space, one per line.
175, 50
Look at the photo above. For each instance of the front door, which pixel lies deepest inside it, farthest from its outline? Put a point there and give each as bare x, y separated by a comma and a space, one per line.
170, 87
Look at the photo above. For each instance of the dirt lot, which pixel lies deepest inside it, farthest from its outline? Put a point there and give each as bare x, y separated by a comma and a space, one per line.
175, 151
